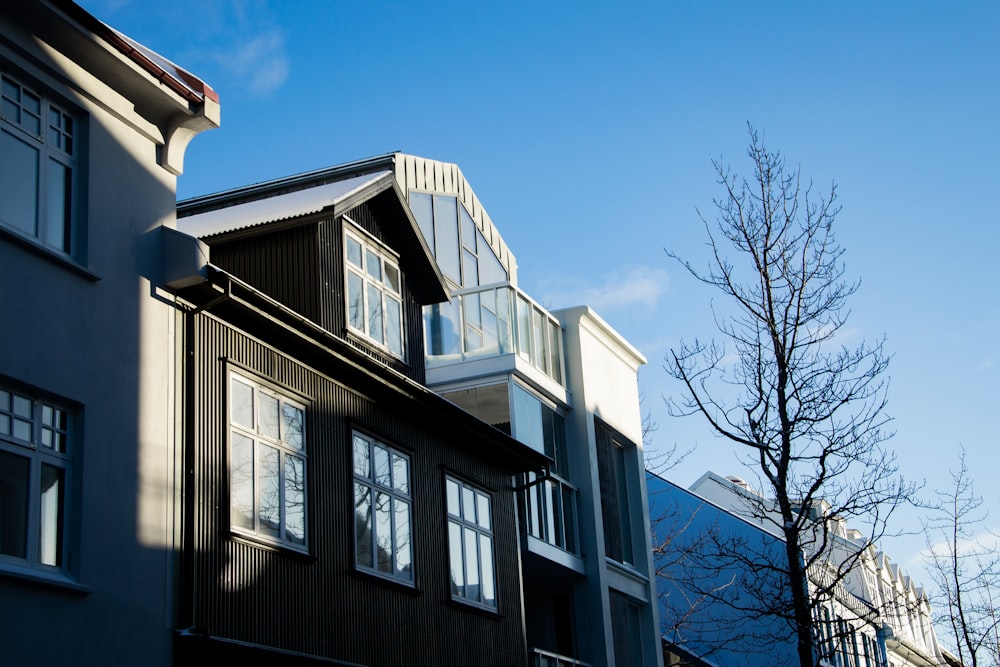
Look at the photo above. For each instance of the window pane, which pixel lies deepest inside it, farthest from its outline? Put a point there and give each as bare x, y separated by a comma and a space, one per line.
443, 329
391, 277
268, 417
361, 457
241, 404
50, 536
472, 590
356, 301
469, 231
446, 236
454, 505
373, 265
490, 269
393, 325
354, 251
294, 425
270, 491
486, 558
420, 204
14, 510
468, 504
242, 480
483, 510
455, 559
382, 471
400, 473
523, 327
363, 524
375, 313
470, 269
58, 206
22, 406
404, 558
383, 531
295, 500
18, 184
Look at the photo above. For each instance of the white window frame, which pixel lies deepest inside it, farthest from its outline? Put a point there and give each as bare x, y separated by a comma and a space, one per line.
365, 273
464, 520
39, 430
394, 484
261, 442
59, 141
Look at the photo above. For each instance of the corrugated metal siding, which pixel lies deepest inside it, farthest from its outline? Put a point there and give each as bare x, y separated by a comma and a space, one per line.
318, 604
282, 264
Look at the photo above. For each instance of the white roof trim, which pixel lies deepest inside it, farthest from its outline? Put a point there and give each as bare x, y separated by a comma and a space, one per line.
278, 207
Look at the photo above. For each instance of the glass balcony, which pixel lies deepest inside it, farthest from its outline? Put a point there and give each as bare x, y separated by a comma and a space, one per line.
549, 511
491, 322
540, 658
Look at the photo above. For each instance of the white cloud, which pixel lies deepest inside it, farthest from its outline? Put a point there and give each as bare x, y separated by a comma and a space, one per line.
632, 286
260, 63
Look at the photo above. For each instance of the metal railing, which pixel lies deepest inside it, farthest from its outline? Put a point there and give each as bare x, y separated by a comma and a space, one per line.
540, 658
550, 511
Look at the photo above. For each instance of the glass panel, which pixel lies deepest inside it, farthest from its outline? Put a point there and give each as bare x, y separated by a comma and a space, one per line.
400, 473
356, 301
443, 329
354, 251
539, 340
446, 236
241, 403
4, 400
373, 265
361, 457
569, 517
422, 209
472, 591
470, 269
50, 535
269, 479
31, 120
483, 510
18, 184
383, 531
468, 504
554, 365
382, 470
363, 524
22, 430
454, 504
4, 424
486, 558
504, 332
241, 482
295, 500
523, 327
268, 416
394, 325
58, 209
401, 518
294, 425
14, 517
473, 315
11, 100
375, 313
469, 231
455, 559
490, 269
391, 277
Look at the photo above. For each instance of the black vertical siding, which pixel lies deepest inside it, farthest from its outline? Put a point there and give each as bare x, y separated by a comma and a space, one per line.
318, 604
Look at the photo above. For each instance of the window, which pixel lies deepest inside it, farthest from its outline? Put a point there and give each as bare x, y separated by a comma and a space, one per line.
460, 248
267, 464
36, 456
470, 544
39, 148
382, 510
374, 301
613, 454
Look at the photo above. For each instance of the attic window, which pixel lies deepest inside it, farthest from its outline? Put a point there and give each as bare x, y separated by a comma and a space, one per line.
374, 293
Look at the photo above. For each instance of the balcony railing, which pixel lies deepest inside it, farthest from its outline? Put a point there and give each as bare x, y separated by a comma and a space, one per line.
493, 321
540, 658
549, 508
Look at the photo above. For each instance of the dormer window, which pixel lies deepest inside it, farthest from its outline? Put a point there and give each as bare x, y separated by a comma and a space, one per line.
374, 296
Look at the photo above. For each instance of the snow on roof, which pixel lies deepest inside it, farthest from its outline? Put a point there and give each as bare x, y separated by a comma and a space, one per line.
278, 207
187, 80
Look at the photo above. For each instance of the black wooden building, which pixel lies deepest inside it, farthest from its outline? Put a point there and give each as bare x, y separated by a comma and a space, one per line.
334, 510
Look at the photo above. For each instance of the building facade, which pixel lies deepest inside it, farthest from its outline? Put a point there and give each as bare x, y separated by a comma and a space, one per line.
87, 426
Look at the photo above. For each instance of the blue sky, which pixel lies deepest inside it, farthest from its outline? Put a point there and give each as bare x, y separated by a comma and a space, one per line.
588, 130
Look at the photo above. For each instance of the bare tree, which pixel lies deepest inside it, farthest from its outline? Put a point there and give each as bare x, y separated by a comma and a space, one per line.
805, 407
964, 565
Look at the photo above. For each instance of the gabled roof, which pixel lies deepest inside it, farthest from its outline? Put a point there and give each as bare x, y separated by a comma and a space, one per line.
256, 210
